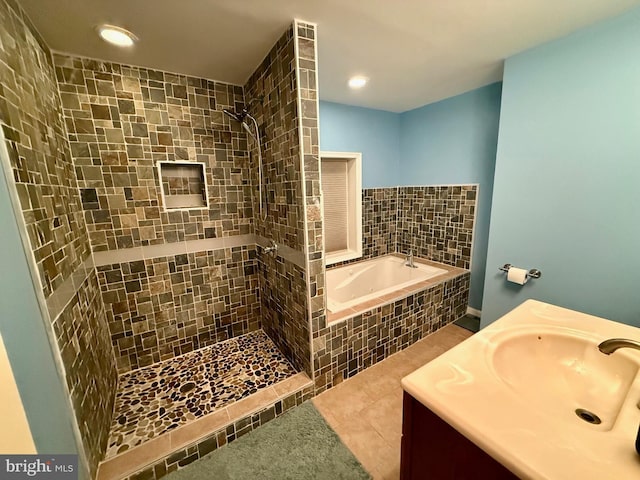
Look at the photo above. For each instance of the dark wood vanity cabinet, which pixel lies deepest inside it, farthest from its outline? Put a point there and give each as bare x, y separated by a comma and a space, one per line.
433, 450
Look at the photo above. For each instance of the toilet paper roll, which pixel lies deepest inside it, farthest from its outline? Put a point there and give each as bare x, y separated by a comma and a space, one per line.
517, 275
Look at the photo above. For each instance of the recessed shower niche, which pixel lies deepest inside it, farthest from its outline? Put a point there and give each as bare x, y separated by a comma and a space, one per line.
183, 185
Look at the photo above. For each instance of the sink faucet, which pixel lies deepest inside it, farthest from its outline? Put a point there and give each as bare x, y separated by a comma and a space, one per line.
609, 346
410, 260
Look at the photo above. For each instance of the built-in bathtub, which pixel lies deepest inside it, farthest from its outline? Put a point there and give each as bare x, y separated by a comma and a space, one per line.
369, 318
361, 282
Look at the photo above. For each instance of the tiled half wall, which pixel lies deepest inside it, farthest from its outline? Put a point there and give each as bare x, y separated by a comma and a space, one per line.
347, 347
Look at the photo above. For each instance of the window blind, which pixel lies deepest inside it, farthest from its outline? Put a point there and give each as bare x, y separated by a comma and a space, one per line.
336, 213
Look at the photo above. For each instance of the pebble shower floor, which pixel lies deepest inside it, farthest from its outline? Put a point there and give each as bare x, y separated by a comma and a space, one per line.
156, 399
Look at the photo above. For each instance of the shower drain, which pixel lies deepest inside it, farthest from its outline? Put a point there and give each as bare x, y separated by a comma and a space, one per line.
588, 416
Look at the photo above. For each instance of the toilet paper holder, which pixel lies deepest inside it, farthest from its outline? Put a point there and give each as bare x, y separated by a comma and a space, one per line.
533, 273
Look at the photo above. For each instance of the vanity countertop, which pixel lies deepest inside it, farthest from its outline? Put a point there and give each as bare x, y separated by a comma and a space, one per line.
513, 389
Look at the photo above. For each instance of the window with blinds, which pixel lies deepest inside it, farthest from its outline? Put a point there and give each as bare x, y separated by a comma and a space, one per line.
342, 197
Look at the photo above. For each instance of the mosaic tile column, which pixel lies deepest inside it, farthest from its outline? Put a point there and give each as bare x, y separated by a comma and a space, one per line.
306, 37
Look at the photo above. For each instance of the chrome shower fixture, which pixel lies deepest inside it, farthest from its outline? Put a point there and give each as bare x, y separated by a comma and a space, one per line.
241, 117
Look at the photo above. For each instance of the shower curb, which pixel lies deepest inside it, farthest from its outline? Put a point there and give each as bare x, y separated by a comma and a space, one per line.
167, 453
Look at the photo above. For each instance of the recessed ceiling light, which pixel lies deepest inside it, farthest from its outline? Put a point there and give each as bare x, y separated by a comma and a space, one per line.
358, 82
116, 35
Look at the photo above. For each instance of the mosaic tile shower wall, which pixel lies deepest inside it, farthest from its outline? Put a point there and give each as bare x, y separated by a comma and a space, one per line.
345, 348
437, 222
122, 120
83, 338
165, 306
283, 282
45, 180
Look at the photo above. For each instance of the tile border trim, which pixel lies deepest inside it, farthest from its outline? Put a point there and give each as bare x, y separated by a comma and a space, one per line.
125, 255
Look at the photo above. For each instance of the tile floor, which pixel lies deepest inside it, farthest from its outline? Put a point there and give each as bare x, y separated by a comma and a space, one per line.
366, 410
154, 400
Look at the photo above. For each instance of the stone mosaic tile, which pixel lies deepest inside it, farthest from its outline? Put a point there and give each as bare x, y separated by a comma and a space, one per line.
437, 222
46, 183
122, 120
283, 284
347, 347
156, 399
43, 171
167, 306
306, 38
217, 439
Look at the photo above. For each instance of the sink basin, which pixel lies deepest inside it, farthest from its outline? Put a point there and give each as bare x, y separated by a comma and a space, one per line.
514, 387
561, 372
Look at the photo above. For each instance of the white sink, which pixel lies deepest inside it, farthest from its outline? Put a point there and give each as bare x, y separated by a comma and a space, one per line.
563, 373
514, 388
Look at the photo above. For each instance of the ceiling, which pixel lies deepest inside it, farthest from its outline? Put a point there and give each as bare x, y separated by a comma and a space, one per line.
415, 52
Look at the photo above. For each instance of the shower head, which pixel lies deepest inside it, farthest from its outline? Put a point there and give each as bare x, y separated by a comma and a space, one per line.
238, 117
248, 129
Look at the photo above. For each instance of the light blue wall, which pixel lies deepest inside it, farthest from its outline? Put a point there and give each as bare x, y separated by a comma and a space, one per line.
448, 142
43, 397
454, 141
375, 133
567, 183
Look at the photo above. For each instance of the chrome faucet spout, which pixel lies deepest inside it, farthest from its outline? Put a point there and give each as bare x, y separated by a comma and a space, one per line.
609, 346
409, 260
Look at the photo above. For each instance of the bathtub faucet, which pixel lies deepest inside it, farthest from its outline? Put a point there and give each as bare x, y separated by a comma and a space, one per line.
410, 260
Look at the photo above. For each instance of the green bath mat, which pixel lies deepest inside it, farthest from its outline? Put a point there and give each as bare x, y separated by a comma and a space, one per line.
298, 445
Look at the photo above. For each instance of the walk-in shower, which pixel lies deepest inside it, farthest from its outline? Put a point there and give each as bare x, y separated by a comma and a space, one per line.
254, 132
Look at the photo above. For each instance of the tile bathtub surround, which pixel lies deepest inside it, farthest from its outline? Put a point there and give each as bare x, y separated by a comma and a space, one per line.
166, 306
436, 222
154, 400
46, 184
121, 120
345, 348
283, 282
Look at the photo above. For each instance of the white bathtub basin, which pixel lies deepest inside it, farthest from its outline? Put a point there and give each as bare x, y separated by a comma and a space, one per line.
514, 387
363, 281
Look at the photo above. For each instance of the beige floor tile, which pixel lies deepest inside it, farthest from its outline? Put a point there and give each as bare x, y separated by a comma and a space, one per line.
366, 410
390, 471
364, 442
344, 401
385, 415
375, 381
